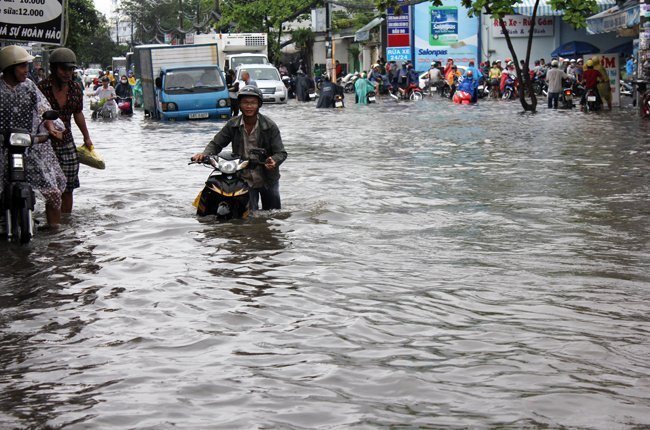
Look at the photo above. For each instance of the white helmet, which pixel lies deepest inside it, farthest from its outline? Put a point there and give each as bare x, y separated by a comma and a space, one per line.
12, 55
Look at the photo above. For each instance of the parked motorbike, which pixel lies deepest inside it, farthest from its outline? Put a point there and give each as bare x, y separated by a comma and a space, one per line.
412, 92
18, 197
347, 82
290, 85
226, 193
483, 89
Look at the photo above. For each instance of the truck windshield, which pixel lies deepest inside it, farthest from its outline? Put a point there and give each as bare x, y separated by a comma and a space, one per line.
252, 59
194, 80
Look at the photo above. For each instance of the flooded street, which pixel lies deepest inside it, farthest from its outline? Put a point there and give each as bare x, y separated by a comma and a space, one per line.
433, 266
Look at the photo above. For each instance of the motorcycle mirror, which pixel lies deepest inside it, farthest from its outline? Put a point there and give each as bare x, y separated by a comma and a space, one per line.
50, 115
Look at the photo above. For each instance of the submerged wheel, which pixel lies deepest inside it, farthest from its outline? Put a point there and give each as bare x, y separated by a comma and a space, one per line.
507, 95
21, 230
26, 226
416, 96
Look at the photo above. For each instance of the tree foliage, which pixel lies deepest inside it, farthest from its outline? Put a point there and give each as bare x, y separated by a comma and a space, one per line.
88, 34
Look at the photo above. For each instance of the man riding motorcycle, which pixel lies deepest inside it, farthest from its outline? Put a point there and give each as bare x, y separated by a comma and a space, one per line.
252, 130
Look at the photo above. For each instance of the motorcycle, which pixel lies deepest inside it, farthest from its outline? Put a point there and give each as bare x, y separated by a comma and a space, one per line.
412, 92
338, 102
18, 197
347, 82
566, 98
509, 89
226, 193
483, 89
626, 88
372, 97
102, 109
125, 105
290, 85
592, 103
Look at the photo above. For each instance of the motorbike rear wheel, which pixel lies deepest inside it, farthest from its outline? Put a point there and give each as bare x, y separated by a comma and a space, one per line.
416, 96
21, 227
507, 94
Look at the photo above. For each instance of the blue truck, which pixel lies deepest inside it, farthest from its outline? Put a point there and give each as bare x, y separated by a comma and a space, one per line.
182, 82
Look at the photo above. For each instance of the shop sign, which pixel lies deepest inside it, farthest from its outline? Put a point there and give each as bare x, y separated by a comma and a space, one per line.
519, 26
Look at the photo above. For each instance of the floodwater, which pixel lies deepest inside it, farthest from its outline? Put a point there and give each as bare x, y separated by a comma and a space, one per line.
433, 266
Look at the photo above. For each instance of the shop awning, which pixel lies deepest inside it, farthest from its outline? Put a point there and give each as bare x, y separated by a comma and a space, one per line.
545, 9
363, 33
615, 18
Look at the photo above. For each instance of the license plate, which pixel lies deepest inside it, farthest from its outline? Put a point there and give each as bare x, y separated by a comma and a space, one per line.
371, 99
338, 104
312, 96
480, 87
591, 98
199, 115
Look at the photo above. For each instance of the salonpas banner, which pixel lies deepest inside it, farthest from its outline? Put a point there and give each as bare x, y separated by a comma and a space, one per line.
443, 32
32, 21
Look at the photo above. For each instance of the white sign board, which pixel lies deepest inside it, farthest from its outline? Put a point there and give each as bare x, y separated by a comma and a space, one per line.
611, 64
519, 26
32, 21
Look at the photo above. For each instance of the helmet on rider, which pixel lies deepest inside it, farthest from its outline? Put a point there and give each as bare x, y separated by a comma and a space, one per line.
554, 63
12, 55
64, 57
469, 74
590, 64
250, 91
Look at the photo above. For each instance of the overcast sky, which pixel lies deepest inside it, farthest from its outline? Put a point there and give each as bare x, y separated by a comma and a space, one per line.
103, 6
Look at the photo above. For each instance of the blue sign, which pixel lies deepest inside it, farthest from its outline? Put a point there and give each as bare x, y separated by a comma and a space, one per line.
398, 54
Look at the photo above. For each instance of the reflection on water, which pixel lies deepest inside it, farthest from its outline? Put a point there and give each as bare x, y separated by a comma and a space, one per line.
433, 265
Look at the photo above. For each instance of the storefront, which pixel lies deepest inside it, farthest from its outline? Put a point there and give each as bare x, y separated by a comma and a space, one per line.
550, 32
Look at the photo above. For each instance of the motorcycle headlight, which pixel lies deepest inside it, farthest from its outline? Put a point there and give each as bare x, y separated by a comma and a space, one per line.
20, 139
228, 166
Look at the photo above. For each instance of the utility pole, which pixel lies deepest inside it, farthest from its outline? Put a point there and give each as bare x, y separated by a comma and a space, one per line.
329, 42
180, 22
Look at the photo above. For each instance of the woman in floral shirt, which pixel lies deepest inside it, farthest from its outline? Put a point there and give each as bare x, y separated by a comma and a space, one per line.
21, 106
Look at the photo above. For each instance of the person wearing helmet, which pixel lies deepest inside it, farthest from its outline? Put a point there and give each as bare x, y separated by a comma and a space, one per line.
252, 130
21, 106
590, 79
66, 98
476, 77
604, 87
434, 77
467, 87
555, 79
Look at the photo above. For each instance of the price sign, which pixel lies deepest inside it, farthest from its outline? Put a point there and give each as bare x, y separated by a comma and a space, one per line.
32, 21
